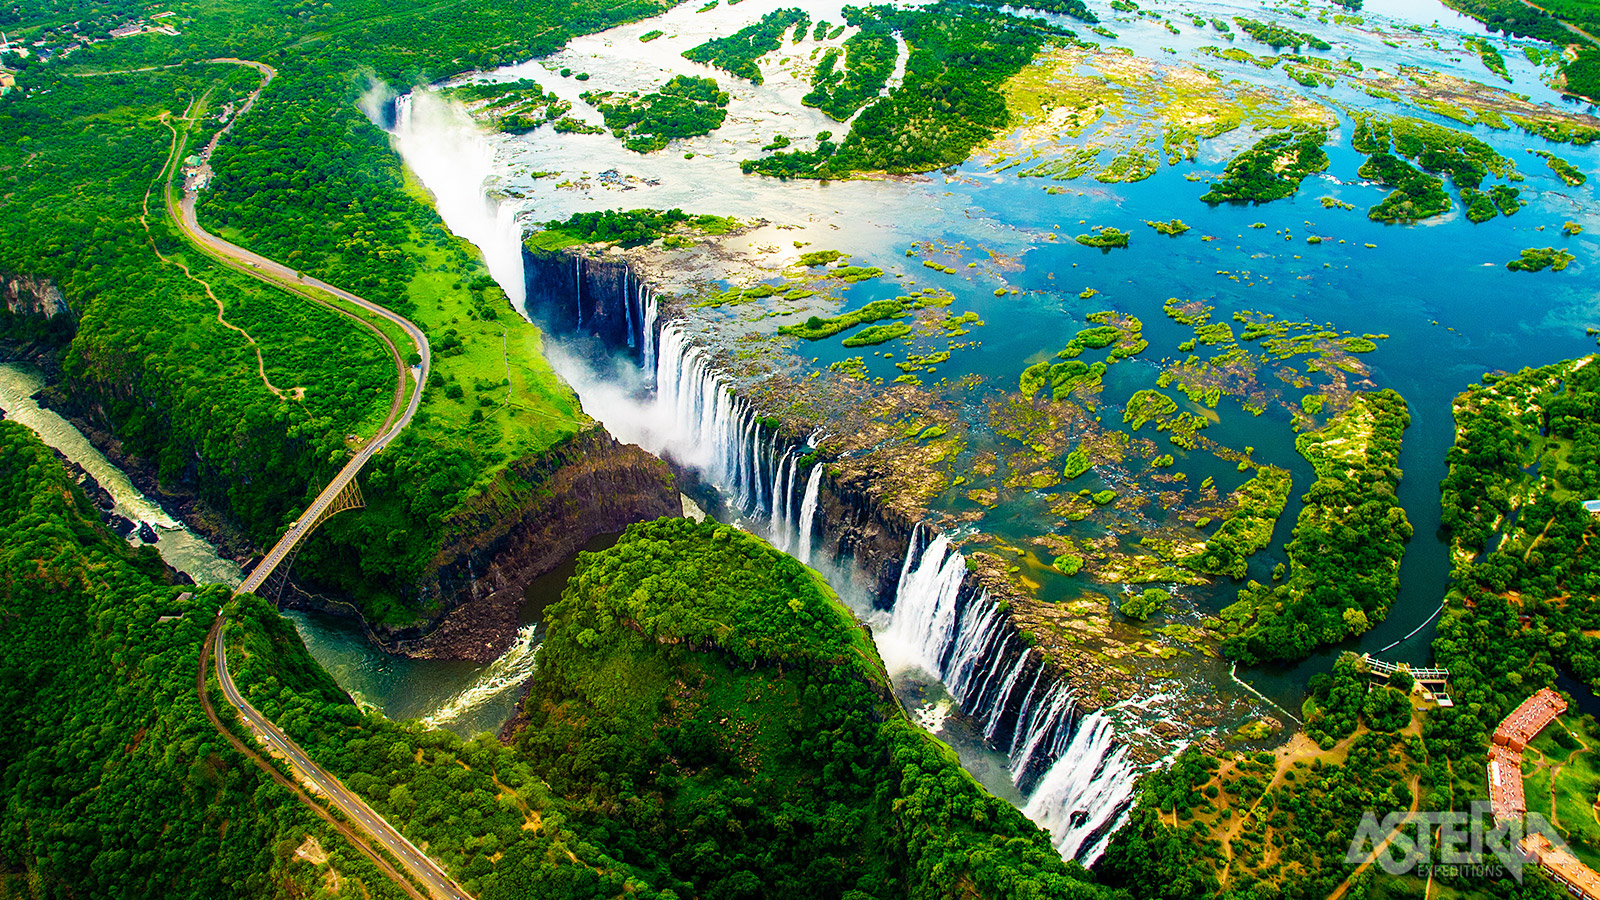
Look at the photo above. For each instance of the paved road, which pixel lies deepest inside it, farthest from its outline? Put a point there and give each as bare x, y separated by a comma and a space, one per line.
421, 867
344, 828
276, 273
427, 872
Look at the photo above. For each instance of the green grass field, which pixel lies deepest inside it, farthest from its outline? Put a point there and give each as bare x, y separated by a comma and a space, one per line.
525, 407
1562, 783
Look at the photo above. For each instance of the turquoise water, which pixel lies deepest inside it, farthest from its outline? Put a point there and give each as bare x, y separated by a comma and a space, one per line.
1438, 289
465, 697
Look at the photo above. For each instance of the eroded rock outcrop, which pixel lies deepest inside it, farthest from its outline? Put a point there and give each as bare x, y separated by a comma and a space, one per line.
27, 295
541, 510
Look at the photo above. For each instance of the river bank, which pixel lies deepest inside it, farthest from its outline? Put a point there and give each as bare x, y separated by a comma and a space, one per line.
468, 697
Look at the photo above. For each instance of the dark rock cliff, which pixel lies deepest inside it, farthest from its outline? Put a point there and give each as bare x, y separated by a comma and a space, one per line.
36, 322
27, 295
574, 294
853, 524
541, 510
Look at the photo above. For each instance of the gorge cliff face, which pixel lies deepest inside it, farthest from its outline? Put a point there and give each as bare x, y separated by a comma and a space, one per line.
576, 295
36, 321
541, 510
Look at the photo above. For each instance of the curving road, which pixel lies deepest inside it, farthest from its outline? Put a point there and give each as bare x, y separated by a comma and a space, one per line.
425, 870
279, 275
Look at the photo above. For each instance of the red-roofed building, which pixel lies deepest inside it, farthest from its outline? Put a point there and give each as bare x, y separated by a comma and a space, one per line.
1562, 866
1527, 720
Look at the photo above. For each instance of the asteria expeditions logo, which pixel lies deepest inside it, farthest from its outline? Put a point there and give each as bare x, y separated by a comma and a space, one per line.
1454, 843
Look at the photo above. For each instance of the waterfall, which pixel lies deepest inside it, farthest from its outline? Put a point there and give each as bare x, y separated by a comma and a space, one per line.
455, 160
808, 512
1078, 781
1083, 796
782, 484
627, 305
648, 332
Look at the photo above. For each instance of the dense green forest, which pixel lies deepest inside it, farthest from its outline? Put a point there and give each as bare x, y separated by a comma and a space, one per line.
113, 783
1344, 559
307, 179
1527, 450
706, 704
869, 58
737, 53
180, 388
1522, 603
623, 780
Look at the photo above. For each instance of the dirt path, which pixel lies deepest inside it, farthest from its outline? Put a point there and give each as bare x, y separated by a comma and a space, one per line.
1299, 747
281, 277
144, 220
1555, 773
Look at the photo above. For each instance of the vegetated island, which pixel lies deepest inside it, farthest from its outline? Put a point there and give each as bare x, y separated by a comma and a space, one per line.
1435, 149
1344, 560
737, 53
686, 106
1105, 237
698, 686
1537, 259
1271, 169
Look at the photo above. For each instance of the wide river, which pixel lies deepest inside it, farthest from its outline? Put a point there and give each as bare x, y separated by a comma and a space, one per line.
1438, 290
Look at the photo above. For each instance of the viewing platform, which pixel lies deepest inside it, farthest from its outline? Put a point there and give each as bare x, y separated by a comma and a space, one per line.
1435, 683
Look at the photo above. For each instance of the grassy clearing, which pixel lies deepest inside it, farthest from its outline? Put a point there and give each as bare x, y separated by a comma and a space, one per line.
501, 361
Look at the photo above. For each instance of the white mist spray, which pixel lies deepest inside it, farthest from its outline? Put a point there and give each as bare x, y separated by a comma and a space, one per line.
455, 160
1077, 779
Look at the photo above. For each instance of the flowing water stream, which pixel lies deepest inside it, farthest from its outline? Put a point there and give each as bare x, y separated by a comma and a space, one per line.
467, 698
1439, 291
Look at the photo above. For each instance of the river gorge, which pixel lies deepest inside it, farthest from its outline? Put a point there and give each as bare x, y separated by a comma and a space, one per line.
792, 443
994, 539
